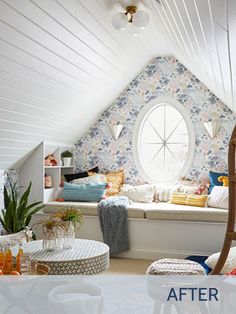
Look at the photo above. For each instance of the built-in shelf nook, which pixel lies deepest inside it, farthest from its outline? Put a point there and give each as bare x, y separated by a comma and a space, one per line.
34, 170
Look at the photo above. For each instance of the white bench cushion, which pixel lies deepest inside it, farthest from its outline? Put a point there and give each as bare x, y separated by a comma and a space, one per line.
89, 208
167, 211
153, 211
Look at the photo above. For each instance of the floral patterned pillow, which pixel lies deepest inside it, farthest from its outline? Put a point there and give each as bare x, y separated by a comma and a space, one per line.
203, 187
197, 187
116, 180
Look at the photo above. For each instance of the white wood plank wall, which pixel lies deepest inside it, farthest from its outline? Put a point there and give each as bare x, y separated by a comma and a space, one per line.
62, 63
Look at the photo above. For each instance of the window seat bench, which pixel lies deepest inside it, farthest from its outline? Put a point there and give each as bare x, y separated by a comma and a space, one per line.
156, 230
153, 211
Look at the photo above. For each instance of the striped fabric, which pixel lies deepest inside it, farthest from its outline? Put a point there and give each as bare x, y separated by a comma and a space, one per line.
197, 200
189, 199
164, 192
178, 198
92, 192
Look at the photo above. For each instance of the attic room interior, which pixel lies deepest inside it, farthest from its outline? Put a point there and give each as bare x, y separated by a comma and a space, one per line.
117, 150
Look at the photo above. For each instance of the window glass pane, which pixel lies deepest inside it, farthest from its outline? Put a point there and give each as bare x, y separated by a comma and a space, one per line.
163, 143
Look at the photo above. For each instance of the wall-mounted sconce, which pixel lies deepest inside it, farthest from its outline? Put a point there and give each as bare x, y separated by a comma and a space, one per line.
116, 130
212, 127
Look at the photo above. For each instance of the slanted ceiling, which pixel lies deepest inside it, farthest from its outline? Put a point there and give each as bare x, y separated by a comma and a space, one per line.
62, 63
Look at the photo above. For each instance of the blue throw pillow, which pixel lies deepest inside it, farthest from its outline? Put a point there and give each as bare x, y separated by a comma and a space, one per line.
214, 179
92, 192
200, 260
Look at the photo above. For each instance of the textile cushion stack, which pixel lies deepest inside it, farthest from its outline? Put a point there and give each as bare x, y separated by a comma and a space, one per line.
167, 266
191, 199
92, 192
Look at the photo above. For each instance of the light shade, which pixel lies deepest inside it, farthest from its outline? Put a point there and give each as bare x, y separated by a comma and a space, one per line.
212, 127
116, 130
133, 30
140, 19
119, 21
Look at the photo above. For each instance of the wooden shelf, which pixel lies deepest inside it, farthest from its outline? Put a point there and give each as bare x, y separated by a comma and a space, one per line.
34, 169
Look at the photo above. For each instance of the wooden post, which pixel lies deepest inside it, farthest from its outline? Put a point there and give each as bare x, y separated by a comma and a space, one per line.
230, 234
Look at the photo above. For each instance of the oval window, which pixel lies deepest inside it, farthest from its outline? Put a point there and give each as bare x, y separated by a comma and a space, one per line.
163, 141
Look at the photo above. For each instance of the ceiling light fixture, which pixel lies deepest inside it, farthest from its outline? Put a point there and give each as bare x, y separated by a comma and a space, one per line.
131, 20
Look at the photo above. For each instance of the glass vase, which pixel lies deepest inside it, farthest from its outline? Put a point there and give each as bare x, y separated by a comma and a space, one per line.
49, 242
69, 236
60, 238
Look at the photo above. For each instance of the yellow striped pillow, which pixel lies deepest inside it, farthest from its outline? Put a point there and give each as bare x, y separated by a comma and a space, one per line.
197, 200
189, 199
178, 198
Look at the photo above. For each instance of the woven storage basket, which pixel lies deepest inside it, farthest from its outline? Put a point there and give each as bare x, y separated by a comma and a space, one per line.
42, 269
169, 266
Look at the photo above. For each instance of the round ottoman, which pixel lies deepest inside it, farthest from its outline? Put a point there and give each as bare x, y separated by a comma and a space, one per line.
168, 266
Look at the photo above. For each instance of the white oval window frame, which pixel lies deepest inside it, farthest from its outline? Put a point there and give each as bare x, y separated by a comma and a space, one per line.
137, 131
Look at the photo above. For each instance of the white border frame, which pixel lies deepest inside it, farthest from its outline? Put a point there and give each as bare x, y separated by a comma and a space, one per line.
138, 127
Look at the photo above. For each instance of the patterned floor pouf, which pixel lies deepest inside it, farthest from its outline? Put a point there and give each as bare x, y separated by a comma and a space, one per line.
167, 266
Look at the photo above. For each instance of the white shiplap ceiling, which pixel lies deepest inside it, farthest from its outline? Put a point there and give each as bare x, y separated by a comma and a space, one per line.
62, 63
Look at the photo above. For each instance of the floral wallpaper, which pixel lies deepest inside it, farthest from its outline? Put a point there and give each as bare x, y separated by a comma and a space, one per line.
163, 76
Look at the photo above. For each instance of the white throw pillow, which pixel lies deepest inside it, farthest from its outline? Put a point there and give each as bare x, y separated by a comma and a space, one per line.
165, 192
186, 189
97, 178
219, 197
230, 263
140, 193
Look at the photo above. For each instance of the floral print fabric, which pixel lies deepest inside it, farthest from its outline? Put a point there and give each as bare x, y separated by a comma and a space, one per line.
163, 76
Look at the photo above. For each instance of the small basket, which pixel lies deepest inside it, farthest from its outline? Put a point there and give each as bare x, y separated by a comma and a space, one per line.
43, 269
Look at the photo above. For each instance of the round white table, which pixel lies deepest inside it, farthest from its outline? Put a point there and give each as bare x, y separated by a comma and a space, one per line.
87, 257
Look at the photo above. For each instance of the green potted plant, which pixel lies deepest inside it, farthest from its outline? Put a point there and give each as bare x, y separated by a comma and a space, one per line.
70, 215
50, 228
71, 218
66, 157
17, 212
58, 231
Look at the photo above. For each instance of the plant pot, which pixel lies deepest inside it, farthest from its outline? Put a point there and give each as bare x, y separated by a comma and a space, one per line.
69, 237
13, 238
59, 234
4, 232
67, 161
49, 241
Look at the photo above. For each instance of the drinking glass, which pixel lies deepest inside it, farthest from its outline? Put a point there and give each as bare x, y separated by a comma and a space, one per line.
25, 264
33, 267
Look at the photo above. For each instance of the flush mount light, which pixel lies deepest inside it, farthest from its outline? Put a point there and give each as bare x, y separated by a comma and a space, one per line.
131, 20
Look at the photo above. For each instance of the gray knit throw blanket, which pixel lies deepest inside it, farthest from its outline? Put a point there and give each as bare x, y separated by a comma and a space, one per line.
113, 217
